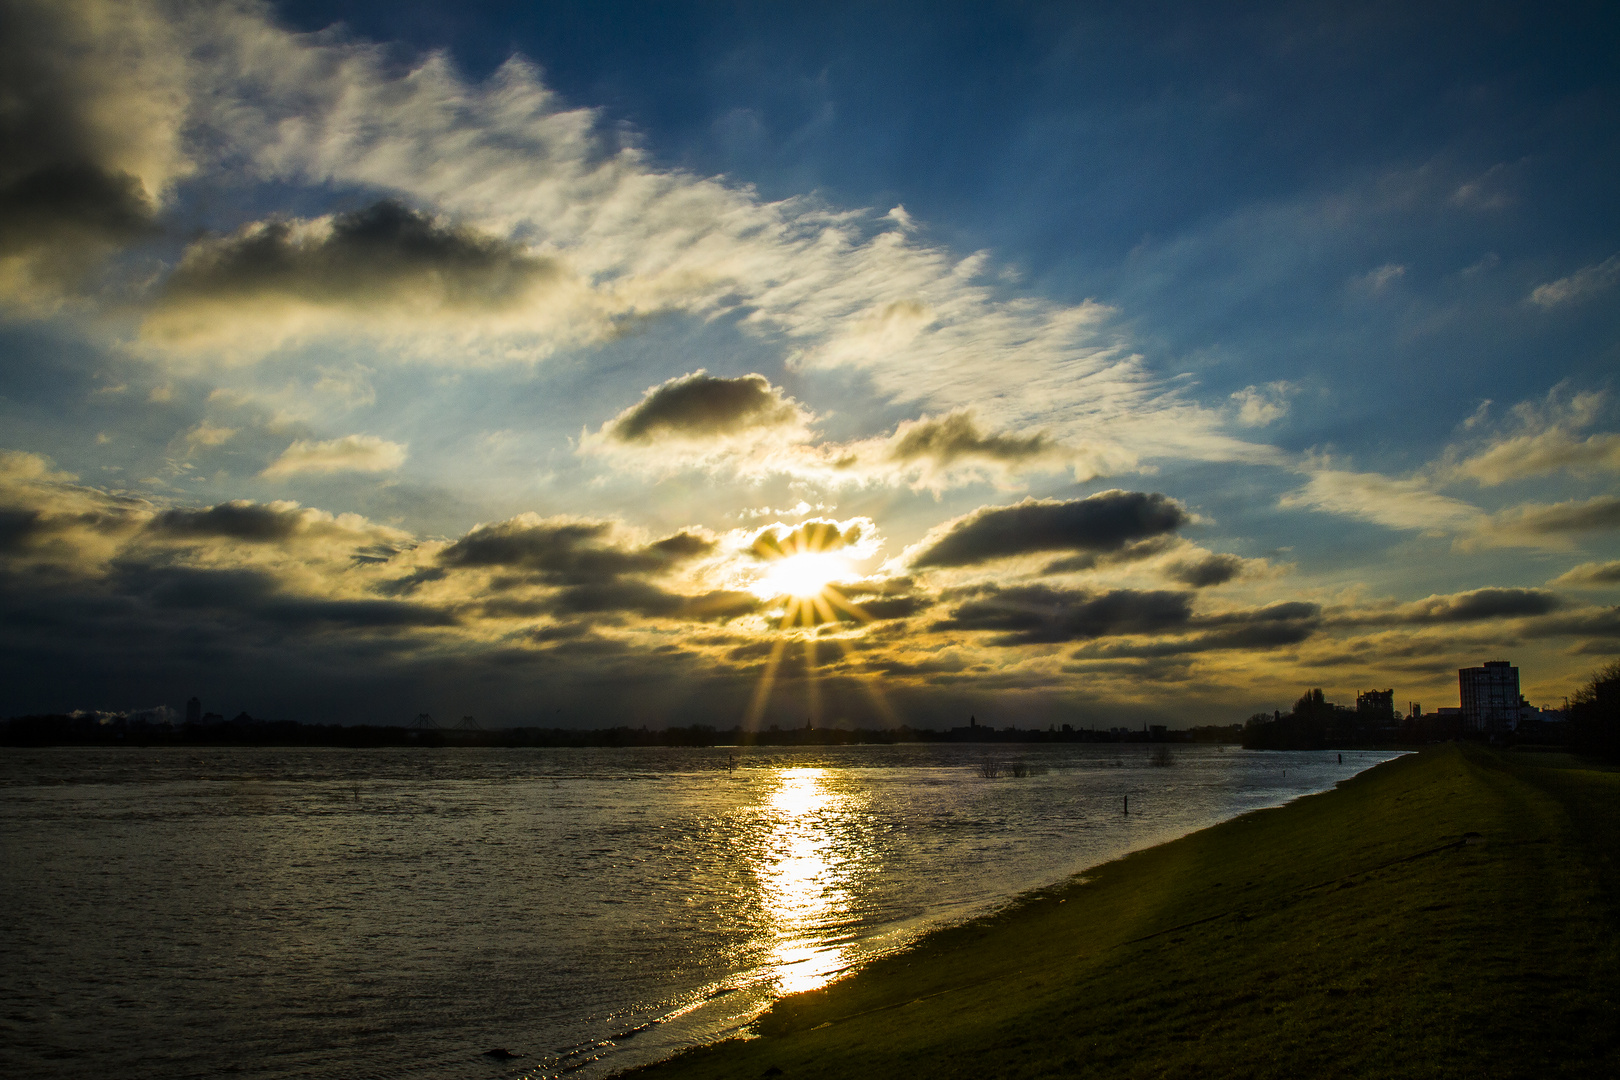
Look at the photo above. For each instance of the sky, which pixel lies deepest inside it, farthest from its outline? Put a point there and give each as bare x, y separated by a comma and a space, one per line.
653, 364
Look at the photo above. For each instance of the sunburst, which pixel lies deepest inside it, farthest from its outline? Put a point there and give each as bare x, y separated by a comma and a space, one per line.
805, 573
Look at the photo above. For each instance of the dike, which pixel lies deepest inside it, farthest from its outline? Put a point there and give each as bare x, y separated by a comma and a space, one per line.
1447, 914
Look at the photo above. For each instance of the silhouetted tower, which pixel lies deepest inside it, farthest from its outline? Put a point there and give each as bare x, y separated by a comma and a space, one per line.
469, 724
1490, 696
424, 722
194, 711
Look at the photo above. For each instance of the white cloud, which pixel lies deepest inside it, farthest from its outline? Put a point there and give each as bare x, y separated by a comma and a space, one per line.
1378, 280
1410, 503
835, 288
1583, 283
351, 453
1258, 406
206, 434
1542, 438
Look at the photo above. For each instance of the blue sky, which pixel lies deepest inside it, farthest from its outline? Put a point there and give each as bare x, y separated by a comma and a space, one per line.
308, 310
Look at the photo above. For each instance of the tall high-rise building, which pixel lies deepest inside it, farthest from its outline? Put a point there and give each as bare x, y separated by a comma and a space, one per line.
194, 711
1490, 696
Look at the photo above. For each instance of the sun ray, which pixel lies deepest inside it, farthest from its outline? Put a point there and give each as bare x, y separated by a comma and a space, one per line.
868, 682
812, 682
762, 693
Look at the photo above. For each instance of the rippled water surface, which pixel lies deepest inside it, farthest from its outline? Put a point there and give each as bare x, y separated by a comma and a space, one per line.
335, 913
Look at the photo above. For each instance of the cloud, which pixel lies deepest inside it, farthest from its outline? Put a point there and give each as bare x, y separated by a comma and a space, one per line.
1275, 626
1259, 406
570, 551
1541, 523
351, 453
1478, 605
237, 520
956, 437
1208, 570
830, 287
206, 434
1378, 280
1602, 622
1041, 614
242, 594
1544, 439
371, 268
1107, 521
89, 137
1581, 285
47, 519
935, 453
1591, 575
818, 534
747, 426
644, 598
1410, 503
701, 407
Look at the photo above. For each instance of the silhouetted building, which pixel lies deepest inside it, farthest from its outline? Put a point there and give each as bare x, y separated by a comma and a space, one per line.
194, 711
1490, 696
1377, 706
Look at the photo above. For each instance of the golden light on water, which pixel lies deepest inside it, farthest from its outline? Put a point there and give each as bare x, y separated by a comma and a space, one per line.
802, 882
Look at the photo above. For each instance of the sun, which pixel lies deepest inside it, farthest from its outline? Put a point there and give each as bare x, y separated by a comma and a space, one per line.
802, 576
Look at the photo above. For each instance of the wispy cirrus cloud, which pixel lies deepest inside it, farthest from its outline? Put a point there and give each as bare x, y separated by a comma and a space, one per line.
1538, 439
1400, 503
1583, 284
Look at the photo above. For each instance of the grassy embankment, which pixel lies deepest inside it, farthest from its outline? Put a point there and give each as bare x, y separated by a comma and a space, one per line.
1352, 933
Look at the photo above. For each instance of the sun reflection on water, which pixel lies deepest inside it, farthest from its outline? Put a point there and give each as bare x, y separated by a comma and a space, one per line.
803, 880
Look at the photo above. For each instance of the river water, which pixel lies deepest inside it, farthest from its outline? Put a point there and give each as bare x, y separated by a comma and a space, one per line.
397, 913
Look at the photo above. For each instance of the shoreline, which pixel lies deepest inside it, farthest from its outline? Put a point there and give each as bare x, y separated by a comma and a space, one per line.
1330, 935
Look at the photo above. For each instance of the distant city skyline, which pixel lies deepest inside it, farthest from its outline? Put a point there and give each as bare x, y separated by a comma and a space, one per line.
598, 364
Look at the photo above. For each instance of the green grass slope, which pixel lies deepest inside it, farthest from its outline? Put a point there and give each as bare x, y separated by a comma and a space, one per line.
1353, 933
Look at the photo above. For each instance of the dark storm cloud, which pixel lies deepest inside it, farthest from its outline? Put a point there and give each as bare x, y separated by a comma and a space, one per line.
383, 252
1105, 522
699, 406
631, 596
66, 196
17, 528
1041, 614
1256, 629
1073, 564
236, 520
1598, 622
64, 205
891, 607
956, 436
1208, 571
1591, 515
1479, 605
819, 534
253, 596
564, 552
404, 586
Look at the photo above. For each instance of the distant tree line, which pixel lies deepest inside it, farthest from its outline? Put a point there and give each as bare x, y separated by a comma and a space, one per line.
244, 730
1594, 714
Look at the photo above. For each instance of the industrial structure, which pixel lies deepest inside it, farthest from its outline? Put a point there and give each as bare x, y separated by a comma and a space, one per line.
1490, 697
